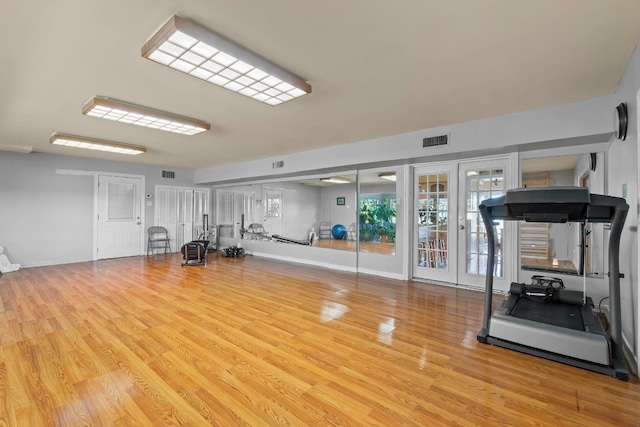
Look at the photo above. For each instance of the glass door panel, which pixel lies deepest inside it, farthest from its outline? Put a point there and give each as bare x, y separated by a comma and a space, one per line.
434, 249
480, 181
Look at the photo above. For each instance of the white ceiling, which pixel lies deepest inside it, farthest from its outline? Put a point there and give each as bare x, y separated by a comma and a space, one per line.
377, 68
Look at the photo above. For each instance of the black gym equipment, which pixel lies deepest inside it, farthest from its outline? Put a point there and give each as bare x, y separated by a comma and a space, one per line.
288, 240
543, 319
232, 252
194, 253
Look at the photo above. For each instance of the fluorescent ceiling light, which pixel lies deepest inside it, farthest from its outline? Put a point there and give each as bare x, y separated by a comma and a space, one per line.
95, 144
186, 46
17, 148
391, 176
335, 180
125, 112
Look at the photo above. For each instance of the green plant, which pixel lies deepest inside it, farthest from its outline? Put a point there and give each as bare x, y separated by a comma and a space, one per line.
377, 219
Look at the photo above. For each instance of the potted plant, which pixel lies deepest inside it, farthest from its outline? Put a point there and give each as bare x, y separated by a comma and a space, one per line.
385, 214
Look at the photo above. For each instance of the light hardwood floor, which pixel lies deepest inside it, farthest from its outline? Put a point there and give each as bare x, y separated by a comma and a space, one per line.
143, 341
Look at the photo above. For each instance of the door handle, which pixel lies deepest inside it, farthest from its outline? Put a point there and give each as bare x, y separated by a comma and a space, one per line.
461, 227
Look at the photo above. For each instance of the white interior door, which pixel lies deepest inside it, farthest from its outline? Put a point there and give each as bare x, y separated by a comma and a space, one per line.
435, 234
119, 216
185, 216
479, 181
167, 213
273, 209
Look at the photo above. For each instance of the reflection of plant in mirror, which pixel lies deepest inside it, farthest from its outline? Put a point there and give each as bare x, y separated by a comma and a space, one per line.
378, 220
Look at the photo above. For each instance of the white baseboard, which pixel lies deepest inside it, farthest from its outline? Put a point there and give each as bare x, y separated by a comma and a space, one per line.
46, 264
394, 276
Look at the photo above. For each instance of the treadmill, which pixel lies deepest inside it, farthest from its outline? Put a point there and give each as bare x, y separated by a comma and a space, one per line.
560, 326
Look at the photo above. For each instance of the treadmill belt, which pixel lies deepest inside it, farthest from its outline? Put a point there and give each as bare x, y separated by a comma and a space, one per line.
551, 313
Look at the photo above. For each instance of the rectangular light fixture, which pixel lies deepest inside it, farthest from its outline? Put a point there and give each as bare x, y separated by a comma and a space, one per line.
335, 180
391, 176
186, 46
24, 149
125, 112
95, 144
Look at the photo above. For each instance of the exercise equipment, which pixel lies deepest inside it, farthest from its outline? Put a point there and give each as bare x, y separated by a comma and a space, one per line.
234, 251
194, 253
283, 239
209, 233
339, 231
543, 319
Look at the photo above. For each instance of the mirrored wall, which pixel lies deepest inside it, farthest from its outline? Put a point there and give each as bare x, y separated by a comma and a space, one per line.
312, 211
346, 211
377, 219
570, 248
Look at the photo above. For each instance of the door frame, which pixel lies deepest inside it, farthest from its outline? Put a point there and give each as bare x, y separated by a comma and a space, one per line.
510, 243
511, 239
96, 207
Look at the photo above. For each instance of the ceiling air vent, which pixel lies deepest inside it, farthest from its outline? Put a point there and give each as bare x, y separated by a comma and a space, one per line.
279, 164
434, 141
169, 174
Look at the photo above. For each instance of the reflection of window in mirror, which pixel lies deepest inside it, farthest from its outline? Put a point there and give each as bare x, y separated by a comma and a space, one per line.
560, 248
377, 222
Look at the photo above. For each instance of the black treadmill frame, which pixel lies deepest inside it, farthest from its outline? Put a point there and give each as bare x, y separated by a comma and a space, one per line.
560, 204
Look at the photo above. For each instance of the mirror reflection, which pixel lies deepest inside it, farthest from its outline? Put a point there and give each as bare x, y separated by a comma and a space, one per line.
377, 212
319, 211
571, 248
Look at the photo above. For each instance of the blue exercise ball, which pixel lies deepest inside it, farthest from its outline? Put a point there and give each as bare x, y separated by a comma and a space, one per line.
338, 231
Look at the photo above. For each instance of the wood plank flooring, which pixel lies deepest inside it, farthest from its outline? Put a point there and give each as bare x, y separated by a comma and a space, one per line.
143, 341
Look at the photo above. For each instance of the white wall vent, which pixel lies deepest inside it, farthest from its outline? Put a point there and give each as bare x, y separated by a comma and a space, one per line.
169, 174
434, 141
279, 164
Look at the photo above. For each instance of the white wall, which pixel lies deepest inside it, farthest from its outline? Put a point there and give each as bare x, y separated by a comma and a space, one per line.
556, 126
623, 170
46, 217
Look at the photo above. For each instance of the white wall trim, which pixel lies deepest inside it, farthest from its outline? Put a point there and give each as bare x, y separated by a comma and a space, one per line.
381, 274
48, 264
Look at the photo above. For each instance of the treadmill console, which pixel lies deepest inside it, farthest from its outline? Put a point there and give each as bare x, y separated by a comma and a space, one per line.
553, 204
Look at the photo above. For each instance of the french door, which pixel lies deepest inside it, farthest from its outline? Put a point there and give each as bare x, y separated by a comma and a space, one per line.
478, 181
450, 240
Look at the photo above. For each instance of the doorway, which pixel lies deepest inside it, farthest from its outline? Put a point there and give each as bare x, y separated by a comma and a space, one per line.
450, 240
119, 221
